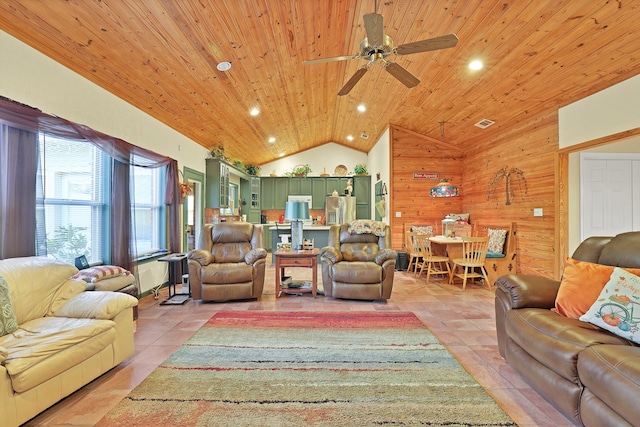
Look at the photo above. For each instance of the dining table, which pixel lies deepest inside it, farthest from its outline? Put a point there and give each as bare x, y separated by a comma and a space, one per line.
447, 246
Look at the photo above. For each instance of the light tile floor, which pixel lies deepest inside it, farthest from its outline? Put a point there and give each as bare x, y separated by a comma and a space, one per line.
463, 321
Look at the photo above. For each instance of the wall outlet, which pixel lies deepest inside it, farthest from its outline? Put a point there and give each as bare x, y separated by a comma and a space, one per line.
398, 214
537, 211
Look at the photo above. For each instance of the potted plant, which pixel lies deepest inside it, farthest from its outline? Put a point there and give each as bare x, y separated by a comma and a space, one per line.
253, 170
360, 169
301, 170
218, 153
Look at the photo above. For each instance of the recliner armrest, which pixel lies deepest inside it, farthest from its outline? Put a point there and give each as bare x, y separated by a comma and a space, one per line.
202, 256
528, 291
385, 255
254, 255
331, 254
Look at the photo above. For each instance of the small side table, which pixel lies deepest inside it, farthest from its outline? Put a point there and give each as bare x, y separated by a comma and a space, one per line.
303, 258
177, 266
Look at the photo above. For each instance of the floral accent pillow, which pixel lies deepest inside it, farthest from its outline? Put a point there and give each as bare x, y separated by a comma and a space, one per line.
497, 236
617, 309
367, 226
95, 274
8, 321
422, 229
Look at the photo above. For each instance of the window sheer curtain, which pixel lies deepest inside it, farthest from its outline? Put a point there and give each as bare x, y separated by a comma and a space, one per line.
20, 125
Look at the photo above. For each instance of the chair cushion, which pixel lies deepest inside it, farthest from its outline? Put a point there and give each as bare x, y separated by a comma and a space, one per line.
357, 272
230, 252
236, 272
359, 251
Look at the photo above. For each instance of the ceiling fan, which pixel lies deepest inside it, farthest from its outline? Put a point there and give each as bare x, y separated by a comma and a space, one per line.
377, 46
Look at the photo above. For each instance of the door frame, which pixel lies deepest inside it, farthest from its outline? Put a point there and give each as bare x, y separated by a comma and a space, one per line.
192, 175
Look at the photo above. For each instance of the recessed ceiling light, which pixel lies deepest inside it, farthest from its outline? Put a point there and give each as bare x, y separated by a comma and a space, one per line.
475, 65
350, 137
254, 112
272, 139
362, 108
224, 66
281, 155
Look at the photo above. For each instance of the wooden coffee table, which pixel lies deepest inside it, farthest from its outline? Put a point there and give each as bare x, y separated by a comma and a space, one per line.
303, 258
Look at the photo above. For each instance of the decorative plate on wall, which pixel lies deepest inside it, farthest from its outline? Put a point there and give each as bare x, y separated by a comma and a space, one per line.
341, 170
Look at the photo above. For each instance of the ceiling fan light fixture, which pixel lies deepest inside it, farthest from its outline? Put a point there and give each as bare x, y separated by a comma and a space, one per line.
224, 66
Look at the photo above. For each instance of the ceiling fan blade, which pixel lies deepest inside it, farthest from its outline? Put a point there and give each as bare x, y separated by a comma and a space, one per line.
352, 81
436, 43
335, 58
374, 25
405, 77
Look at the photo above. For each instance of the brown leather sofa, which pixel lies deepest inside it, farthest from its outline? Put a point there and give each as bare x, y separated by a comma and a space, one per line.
359, 265
229, 262
587, 373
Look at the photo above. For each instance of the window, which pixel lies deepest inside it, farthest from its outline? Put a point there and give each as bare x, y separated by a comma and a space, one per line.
75, 202
77, 188
149, 210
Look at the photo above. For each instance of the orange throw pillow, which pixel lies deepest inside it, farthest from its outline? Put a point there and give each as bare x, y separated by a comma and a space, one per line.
581, 285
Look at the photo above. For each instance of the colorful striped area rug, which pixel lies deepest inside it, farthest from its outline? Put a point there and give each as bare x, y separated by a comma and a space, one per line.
257, 368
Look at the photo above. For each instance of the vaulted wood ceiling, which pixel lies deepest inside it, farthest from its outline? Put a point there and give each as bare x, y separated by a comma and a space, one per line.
161, 56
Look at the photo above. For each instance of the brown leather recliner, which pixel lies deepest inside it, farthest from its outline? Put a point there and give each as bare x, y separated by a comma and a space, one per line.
359, 265
229, 262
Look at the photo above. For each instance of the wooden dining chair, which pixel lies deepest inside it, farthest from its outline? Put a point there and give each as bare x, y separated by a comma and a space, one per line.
471, 265
413, 250
435, 264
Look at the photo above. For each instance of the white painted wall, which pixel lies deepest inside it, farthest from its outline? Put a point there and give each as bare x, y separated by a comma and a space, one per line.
607, 112
325, 157
612, 110
29, 77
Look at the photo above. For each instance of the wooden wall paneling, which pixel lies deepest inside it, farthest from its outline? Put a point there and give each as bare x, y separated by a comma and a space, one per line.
412, 152
530, 147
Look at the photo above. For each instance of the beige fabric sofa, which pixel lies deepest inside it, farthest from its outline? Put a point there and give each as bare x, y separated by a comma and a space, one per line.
66, 337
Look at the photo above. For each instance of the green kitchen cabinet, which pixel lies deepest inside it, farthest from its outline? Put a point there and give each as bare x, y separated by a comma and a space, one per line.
362, 192
217, 190
318, 192
300, 186
336, 183
274, 192
266, 236
250, 194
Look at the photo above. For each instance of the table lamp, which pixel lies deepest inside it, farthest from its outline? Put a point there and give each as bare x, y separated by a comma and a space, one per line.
295, 212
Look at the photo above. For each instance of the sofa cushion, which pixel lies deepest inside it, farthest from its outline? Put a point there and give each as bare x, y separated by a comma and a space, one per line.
101, 272
34, 282
554, 340
615, 306
357, 272
237, 272
612, 374
43, 348
8, 321
581, 284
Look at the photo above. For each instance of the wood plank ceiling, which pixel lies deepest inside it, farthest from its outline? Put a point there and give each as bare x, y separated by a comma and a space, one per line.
161, 56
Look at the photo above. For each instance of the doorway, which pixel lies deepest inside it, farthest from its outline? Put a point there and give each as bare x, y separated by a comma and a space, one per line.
192, 209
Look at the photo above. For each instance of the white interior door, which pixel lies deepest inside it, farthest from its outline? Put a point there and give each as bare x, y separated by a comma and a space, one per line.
609, 200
